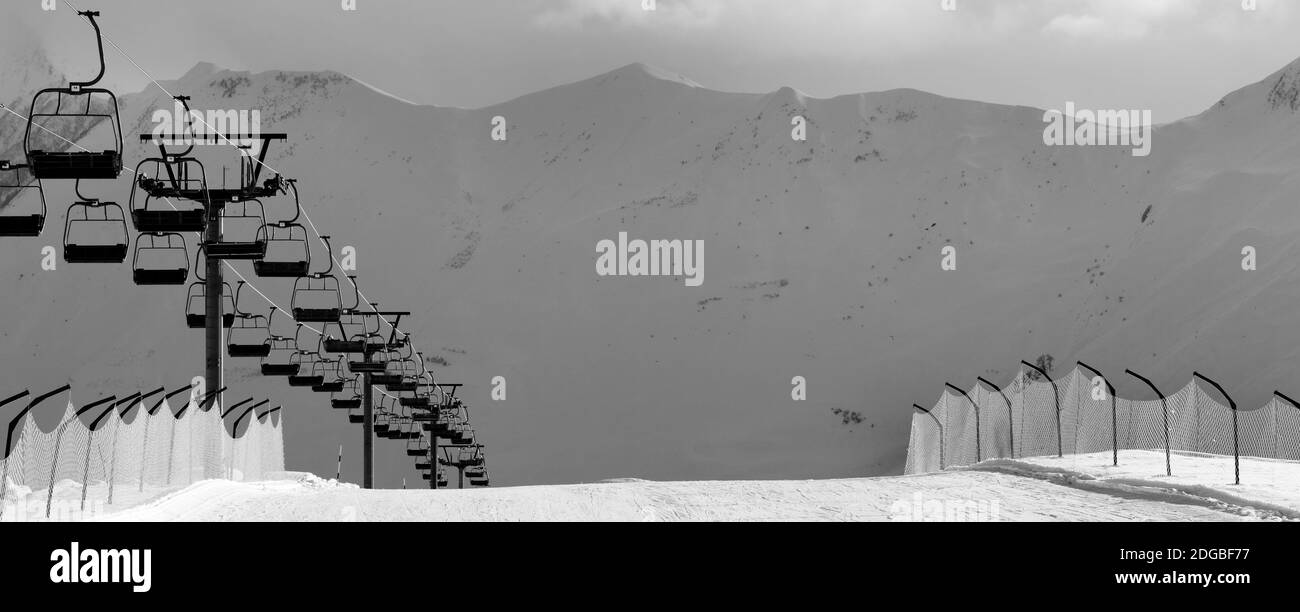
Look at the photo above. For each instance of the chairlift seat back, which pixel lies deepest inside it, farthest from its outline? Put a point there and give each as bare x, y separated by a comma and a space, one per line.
74, 165
335, 386
163, 221
346, 404
280, 369
161, 277
249, 350
95, 253
306, 381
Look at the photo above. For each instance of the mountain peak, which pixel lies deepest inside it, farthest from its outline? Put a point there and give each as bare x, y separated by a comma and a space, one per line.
638, 70
201, 70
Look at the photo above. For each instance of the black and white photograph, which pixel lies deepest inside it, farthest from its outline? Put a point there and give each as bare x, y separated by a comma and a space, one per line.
310, 263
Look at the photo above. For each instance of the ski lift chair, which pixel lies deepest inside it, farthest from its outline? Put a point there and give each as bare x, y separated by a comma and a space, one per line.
381, 423
13, 189
279, 361
422, 401
312, 370
249, 334
400, 429
351, 403
408, 377
245, 222
317, 297
414, 432
346, 403
376, 363
165, 260
287, 252
248, 337
95, 233
474, 458
382, 376
395, 429
398, 368
196, 306
183, 199
437, 429
346, 341
63, 107
337, 385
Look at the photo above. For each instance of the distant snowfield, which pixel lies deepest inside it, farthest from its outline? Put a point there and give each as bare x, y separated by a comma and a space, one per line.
1077, 488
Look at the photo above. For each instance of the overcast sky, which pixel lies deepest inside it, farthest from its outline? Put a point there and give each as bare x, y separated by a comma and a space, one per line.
1176, 57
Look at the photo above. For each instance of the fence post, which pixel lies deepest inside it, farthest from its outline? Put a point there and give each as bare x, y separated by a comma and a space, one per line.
128, 405
1277, 452
4, 478
9, 438
1236, 454
172, 445
978, 456
234, 432
58, 442
268, 417
1011, 427
85, 477
144, 449
54, 468
1114, 418
171, 453
1164, 404
927, 413
1056, 400
112, 469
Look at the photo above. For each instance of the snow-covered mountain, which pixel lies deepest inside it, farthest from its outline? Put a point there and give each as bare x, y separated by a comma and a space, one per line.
821, 260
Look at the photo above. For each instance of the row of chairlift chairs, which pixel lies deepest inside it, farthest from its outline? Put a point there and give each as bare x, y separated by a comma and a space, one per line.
413, 410
170, 198
77, 106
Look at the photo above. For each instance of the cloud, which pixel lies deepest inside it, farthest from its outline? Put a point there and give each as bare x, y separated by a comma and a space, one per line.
1129, 19
671, 13
899, 27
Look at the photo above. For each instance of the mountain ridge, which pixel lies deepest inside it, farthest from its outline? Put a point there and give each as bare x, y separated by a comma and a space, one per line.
822, 261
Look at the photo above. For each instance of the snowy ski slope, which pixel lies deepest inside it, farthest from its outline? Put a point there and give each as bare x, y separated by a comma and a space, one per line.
1079, 488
